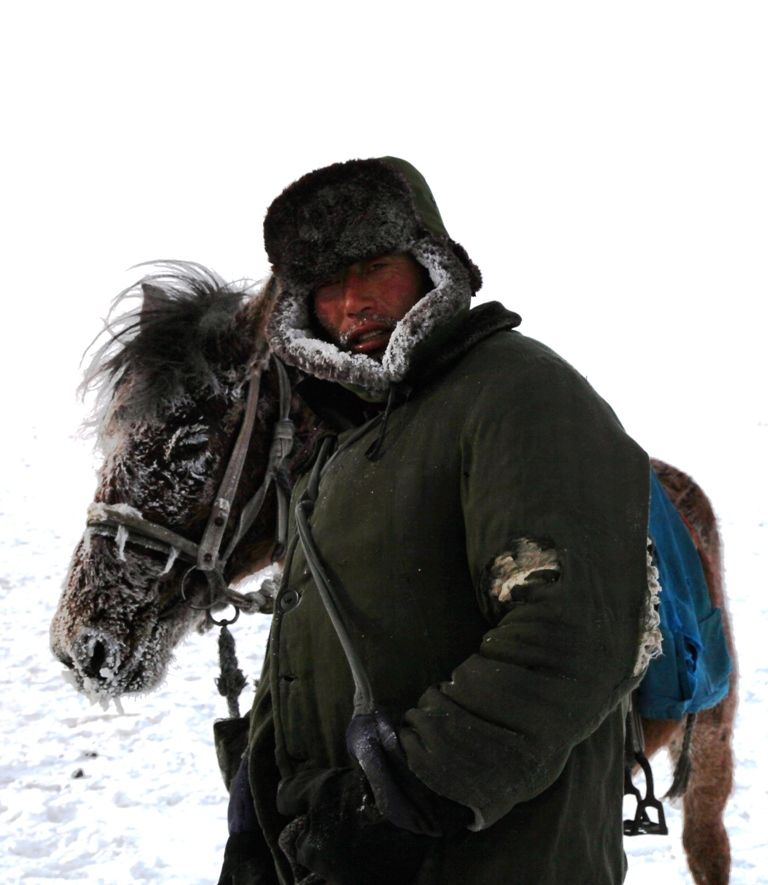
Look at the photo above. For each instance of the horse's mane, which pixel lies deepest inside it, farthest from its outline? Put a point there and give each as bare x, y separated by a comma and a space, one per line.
181, 336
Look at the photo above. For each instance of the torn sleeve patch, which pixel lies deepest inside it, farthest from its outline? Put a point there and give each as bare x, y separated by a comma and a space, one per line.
529, 562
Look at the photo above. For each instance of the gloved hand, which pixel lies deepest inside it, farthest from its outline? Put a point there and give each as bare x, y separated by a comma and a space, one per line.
400, 796
247, 858
340, 835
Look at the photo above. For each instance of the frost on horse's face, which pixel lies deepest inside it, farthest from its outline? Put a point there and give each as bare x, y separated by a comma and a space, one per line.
172, 382
120, 617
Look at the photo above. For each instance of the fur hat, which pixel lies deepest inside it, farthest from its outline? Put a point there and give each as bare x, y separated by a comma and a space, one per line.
343, 214
349, 212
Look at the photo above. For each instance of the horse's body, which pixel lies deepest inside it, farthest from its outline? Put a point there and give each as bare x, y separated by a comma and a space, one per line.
704, 836
172, 384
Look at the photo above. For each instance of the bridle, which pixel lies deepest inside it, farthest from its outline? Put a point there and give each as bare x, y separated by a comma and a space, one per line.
125, 523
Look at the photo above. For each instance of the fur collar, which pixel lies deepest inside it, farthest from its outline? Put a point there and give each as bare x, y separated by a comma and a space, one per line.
341, 410
293, 337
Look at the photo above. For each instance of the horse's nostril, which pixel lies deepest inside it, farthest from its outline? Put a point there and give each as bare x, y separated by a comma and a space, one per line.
93, 667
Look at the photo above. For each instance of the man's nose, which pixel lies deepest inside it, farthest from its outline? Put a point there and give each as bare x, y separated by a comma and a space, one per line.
356, 293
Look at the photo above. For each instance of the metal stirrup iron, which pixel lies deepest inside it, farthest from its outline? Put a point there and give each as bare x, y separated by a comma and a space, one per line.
634, 754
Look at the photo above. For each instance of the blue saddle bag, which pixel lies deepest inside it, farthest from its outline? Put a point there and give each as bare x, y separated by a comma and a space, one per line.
691, 674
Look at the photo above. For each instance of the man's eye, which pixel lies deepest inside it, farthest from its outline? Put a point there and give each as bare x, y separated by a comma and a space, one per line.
331, 281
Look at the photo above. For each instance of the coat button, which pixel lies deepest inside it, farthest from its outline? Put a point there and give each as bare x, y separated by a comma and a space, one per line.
289, 600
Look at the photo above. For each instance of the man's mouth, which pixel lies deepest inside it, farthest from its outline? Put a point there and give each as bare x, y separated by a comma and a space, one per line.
369, 337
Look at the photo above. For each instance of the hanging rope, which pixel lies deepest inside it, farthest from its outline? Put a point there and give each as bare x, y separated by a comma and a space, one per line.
232, 680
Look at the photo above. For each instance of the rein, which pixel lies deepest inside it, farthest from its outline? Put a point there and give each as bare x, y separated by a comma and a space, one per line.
363, 703
125, 523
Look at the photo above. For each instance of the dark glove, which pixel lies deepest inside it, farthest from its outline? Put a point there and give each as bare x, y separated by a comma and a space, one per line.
401, 797
247, 858
339, 834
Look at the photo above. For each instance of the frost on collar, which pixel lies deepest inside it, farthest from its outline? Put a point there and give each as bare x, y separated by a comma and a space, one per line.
293, 338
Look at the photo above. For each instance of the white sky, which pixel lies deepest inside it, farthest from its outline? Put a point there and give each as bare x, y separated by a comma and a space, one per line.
603, 163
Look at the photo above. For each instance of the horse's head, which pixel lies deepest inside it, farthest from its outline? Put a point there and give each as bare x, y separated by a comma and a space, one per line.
172, 383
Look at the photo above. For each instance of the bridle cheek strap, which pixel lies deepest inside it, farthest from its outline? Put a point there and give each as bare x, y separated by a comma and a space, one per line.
208, 554
114, 518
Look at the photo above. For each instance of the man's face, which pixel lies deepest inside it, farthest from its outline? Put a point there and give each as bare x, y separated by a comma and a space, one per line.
360, 306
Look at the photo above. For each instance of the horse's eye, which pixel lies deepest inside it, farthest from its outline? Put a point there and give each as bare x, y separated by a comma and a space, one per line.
192, 445
187, 442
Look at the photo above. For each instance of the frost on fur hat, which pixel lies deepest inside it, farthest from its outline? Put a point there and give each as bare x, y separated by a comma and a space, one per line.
341, 215
350, 212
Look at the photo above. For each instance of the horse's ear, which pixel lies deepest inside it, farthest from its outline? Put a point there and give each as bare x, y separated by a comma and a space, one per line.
154, 299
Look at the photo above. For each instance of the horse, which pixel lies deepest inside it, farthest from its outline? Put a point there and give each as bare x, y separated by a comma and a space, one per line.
709, 735
172, 386
174, 381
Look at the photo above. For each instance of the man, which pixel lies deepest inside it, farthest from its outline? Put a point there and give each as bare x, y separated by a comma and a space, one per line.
480, 524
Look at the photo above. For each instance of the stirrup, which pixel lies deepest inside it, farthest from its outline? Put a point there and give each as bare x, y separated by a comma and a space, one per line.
634, 747
642, 825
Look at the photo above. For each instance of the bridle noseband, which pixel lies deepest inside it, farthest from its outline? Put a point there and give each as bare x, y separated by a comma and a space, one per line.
123, 522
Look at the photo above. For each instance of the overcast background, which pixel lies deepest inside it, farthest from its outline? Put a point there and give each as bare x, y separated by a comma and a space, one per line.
603, 163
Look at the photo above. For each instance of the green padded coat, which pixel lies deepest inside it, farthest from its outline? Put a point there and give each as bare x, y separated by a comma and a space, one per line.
507, 682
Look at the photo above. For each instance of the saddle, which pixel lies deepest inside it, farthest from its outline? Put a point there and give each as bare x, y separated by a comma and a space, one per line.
691, 674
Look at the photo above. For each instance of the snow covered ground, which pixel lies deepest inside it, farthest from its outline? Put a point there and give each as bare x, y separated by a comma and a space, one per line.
89, 794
